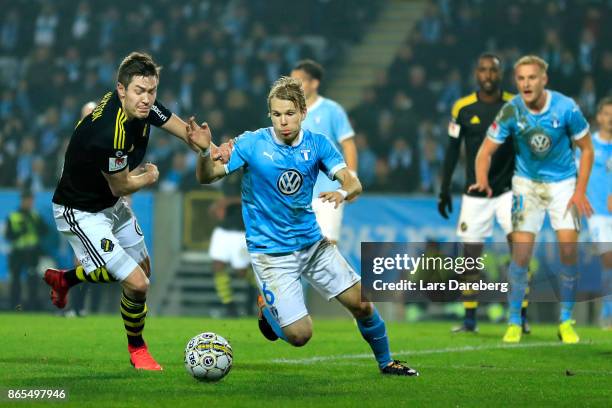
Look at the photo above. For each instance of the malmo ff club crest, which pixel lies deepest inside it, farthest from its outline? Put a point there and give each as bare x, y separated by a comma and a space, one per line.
289, 182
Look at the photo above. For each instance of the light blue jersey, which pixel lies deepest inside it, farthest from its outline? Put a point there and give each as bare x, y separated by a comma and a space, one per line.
277, 187
328, 118
600, 182
542, 141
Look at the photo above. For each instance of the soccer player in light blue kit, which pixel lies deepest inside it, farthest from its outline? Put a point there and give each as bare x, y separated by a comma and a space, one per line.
599, 193
543, 123
328, 118
280, 166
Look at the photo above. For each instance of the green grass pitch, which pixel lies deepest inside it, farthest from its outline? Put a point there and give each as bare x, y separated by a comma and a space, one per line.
88, 358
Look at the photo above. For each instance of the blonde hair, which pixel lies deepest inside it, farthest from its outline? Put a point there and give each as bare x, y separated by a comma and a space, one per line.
288, 89
532, 60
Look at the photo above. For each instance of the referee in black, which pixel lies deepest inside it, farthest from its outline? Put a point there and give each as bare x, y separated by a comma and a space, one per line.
471, 117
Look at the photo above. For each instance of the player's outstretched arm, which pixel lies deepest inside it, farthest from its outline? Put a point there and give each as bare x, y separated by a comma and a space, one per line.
482, 166
587, 156
209, 170
350, 188
125, 182
202, 137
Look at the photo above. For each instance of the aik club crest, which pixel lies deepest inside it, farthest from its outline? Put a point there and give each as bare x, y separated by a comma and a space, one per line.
289, 182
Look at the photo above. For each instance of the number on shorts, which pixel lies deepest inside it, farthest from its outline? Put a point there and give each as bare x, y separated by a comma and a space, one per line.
518, 203
268, 295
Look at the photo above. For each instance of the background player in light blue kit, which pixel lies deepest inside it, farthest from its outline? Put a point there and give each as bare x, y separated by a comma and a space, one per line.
543, 124
599, 192
328, 118
281, 164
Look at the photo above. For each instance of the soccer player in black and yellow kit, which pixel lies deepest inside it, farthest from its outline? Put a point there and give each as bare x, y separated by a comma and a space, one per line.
471, 117
101, 167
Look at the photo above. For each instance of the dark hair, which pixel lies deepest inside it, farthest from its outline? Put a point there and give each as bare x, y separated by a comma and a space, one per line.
490, 55
136, 64
604, 102
312, 68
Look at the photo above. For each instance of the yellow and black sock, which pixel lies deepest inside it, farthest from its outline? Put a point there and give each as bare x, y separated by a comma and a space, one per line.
133, 313
78, 275
524, 309
470, 312
470, 304
224, 287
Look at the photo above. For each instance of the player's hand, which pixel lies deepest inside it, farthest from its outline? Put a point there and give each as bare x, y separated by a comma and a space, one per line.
610, 203
198, 136
482, 188
332, 197
580, 201
445, 203
223, 152
151, 170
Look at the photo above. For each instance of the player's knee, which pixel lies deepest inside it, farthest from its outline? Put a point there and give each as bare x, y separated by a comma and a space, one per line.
141, 288
522, 260
362, 310
568, 255
137, 283
299, 339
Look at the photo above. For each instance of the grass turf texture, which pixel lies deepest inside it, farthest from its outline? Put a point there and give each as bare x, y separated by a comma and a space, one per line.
88, 358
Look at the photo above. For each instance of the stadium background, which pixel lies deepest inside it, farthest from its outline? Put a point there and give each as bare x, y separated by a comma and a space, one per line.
396, 66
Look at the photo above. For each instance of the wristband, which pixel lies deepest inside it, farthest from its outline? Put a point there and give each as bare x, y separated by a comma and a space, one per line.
205, 153
342, 192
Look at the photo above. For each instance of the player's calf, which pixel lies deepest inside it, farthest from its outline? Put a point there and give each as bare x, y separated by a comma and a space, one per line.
361, 310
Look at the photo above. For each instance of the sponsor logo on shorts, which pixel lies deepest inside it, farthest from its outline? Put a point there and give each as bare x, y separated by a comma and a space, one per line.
463, 226
107, 245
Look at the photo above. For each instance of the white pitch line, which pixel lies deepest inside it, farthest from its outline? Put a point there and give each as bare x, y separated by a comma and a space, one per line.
312, 360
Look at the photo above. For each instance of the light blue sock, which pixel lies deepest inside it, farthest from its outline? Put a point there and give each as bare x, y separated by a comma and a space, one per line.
374, 332
606, 307
273, 323
518, 285
568, 282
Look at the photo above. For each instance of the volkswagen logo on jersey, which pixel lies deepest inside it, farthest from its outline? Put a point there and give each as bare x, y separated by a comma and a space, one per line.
289, 182
539, 143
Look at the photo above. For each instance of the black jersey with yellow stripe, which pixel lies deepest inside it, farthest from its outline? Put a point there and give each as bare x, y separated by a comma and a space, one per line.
104, 141
471, 118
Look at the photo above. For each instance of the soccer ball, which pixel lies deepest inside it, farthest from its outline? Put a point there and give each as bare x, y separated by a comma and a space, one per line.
208, 357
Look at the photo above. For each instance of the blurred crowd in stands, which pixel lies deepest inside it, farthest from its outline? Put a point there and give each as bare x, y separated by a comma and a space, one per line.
219, 58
